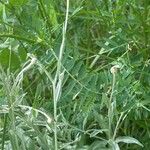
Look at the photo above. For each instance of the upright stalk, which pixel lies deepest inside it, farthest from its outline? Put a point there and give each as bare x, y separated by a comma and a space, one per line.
57, 84
4, 131
110, 106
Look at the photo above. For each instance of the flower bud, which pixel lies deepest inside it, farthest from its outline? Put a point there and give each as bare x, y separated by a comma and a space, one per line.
114, 69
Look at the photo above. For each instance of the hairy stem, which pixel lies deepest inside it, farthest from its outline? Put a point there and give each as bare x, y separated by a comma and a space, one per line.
110, 107
57, 84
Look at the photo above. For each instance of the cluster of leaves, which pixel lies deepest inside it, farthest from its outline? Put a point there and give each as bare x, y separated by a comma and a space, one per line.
100, 34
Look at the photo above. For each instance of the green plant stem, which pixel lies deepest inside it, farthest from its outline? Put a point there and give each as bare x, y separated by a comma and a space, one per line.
110, 107
4, 131
57, 84
15, 140
55, 117
117, 125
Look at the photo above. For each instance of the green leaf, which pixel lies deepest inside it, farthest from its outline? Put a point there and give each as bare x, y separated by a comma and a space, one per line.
9, 59
22, 54
128, 140
95, 132
53, 16
18, 2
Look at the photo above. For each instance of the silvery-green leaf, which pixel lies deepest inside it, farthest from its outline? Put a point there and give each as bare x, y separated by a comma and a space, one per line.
128, 139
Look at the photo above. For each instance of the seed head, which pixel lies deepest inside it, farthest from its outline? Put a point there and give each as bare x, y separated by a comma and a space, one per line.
114, 69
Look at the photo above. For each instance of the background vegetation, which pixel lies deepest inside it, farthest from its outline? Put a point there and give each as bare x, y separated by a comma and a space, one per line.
96, 96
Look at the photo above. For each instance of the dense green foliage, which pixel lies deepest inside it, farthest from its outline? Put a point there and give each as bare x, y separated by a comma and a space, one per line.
81, 101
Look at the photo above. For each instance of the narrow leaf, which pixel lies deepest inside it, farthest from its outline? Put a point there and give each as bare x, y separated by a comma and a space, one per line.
127, 139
